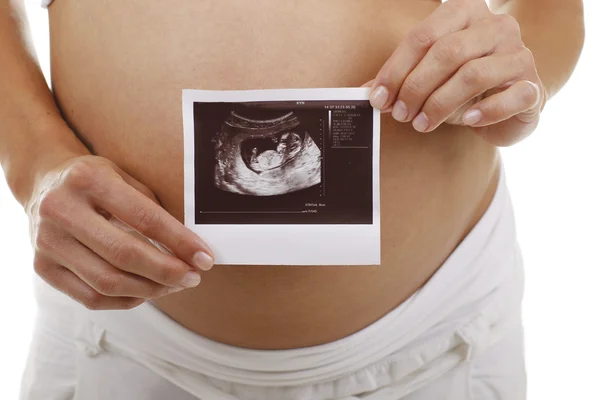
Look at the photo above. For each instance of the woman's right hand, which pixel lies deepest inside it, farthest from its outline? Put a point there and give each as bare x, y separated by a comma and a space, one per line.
80, 214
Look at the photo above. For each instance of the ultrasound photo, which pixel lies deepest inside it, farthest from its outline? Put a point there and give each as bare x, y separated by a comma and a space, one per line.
267, 168
284, 162
265, 157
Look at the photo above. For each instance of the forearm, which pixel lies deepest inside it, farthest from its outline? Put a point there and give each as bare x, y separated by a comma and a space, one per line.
553, 30
33, 135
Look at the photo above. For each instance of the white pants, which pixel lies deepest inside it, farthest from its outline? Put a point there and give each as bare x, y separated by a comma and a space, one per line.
459, 337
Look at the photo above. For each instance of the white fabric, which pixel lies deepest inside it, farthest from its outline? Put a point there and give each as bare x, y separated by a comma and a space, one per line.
46, 3
459, 337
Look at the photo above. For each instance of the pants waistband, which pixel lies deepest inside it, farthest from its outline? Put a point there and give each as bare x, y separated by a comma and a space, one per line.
459, 312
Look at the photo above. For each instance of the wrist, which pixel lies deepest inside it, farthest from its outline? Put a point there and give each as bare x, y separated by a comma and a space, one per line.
47, 146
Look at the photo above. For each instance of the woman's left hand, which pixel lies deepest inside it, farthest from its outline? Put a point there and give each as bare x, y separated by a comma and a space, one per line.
463, 65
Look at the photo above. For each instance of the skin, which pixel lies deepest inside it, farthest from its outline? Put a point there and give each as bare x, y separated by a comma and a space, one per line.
98, 164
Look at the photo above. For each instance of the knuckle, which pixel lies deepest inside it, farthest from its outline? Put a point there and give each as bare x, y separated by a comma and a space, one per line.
449, 52
474, 74
146, 219
421, 38
171, 274
496, 111
181, 241
120, 253
526, 57
184, 241
507, 23
41, 266
93, 300
435, 107
412, 87
156, 291
522, 62
50, 206
80, 176
45, 241
520, 66
106, 283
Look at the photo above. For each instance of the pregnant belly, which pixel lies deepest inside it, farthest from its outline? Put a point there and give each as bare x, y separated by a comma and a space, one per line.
118, 69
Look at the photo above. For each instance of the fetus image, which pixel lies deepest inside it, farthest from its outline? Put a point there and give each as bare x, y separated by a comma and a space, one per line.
265, 157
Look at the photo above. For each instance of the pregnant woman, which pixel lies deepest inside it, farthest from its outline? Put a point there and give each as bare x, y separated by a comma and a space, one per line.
97, 163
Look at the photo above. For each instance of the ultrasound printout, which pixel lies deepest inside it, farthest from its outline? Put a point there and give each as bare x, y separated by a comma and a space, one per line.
283, 176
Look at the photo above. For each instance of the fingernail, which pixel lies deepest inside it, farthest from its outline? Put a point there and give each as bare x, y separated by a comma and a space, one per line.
537, 91
191, 279
421, 122
472, 117
400, 111
379, 97
202, 261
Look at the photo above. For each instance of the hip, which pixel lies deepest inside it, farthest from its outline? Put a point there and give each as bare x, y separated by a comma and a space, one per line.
459, 336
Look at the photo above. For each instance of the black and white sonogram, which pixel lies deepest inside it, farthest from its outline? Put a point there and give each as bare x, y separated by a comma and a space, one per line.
283, 176
265, 157
284, 162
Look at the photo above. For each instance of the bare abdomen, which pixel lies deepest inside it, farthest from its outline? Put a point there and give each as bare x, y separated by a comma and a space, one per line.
118, 72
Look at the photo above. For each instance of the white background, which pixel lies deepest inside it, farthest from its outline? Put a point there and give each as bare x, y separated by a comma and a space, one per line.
554, 177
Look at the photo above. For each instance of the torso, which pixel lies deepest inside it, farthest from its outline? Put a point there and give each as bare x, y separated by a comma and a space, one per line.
118, 69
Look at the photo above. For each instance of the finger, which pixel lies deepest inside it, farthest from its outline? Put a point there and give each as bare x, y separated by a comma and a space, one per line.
70, 284
153, 221
447, 18
442, 61
66, 251
472, 80
511, 130
123, 250
93, 229
368, 85
521, 100
137, 185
